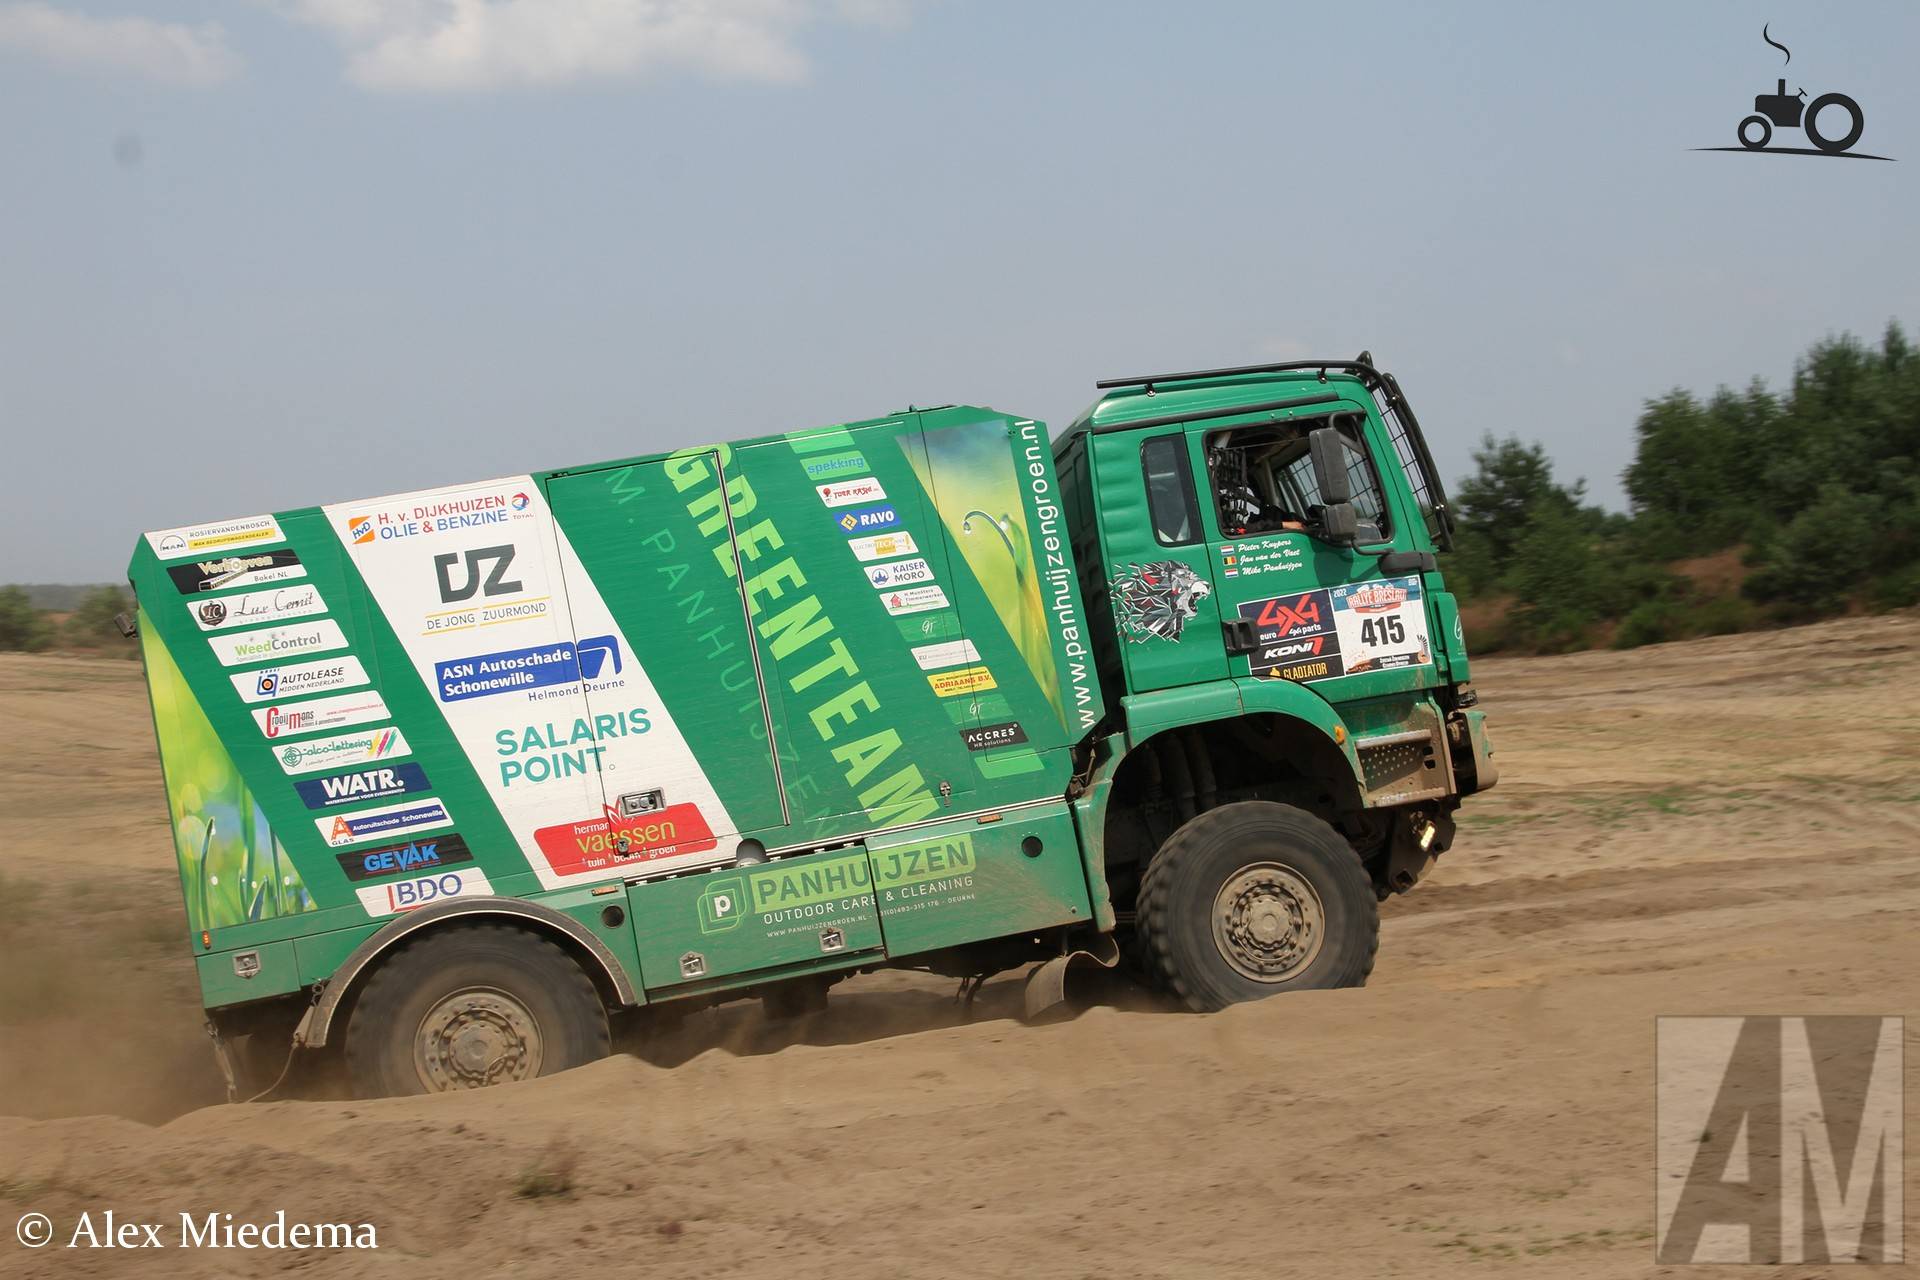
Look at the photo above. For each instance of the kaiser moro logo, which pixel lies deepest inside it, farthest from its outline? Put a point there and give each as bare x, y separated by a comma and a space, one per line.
1832, 122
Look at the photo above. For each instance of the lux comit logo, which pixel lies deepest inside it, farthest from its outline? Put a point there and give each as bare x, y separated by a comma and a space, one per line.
495, 582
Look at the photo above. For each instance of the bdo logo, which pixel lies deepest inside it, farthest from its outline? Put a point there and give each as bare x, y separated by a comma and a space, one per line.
722, 903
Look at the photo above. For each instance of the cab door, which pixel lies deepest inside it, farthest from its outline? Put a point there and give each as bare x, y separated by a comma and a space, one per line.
1160, 585
1309, 610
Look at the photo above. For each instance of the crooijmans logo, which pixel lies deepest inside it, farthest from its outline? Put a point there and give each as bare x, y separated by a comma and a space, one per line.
1832, 122
1778, 1140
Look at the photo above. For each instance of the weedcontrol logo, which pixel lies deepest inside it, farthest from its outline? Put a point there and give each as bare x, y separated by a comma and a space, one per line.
1832, 122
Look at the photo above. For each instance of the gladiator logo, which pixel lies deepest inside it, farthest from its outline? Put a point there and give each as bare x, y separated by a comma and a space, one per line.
1157, 599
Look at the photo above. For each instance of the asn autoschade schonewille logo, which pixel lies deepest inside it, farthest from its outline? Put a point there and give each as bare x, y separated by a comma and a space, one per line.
1832, 122
1778, 1140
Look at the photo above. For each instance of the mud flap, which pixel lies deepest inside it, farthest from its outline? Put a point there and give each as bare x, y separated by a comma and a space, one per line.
1046, 991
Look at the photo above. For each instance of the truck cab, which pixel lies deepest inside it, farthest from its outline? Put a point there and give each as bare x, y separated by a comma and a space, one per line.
1259, 547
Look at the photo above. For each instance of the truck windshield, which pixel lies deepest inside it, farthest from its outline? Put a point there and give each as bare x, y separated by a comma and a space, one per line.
1263, 478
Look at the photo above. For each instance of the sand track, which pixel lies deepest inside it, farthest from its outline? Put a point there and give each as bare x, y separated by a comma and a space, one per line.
1728, 825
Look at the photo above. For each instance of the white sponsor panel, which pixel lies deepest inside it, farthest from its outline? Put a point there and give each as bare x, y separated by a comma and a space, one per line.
300, 679
899, 573
347, 751
883, 546
913, 600
288, 719
544, 702
395, 820
277, 642
844, 493
208, 539
1381, 625
397, 896
229, 572
256, 608
951, 653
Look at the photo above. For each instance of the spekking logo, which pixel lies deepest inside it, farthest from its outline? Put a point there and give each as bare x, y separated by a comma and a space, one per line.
1783, 110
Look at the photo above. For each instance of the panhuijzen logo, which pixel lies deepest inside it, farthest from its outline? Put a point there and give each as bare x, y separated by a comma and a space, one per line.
1778, 1140
1832, 122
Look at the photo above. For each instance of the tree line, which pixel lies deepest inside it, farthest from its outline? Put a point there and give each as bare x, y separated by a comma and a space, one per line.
1810, 494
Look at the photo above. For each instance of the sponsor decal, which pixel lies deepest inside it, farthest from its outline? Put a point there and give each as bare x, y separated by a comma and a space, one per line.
215, 539
517, 670
729, 899
374, 824
918, 863
987, 737
835, 466
469, 509
884, 546
324, 676
250, 570
286, 719
541, 752
277, 642
966, 680
344, 751
1375, 597
867, 520
388, 782
397, 896
1339, 631
951, 653
493, 562
574, 848
899, 573
1157, 600
253, 608
844, 493
913, 600
413, 857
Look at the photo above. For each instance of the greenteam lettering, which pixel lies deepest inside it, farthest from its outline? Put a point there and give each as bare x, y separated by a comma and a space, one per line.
540, 752
842, 708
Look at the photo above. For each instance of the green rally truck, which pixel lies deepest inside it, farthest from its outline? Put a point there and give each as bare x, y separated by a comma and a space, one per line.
460, 779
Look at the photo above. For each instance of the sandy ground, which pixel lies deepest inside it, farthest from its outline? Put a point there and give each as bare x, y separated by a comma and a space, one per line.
1722, 826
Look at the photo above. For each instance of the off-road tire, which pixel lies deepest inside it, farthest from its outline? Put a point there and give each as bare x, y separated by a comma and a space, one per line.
513, 979
1179, 892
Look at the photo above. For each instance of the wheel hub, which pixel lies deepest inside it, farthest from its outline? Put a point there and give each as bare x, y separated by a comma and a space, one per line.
1268, 922
475, 1038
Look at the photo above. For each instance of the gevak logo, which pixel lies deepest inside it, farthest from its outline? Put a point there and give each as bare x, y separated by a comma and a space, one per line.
486, 572
411, 858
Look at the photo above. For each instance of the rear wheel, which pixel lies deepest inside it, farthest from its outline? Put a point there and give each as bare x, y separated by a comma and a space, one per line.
1252, 899
472, 1007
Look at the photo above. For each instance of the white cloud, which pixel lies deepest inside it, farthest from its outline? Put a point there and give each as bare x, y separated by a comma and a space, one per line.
169, 52
488, 44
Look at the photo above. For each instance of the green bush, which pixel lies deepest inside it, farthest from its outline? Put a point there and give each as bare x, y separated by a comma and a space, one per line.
21, 625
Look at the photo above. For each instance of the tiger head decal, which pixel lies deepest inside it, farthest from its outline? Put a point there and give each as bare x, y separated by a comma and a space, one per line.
1157, 599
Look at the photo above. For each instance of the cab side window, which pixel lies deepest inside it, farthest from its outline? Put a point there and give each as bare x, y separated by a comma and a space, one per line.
1170, 501
1263, 478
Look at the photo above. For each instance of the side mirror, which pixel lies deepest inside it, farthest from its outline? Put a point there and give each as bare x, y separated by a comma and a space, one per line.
1329, 454
1339, 524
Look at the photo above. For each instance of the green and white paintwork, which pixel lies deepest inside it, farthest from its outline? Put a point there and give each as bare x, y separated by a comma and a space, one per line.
865, 647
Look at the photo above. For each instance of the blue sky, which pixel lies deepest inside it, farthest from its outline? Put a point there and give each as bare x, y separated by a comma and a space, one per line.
265, 253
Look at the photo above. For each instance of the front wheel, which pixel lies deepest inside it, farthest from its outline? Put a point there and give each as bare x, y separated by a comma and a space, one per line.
471, 1007
1253, 899
1755, 141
